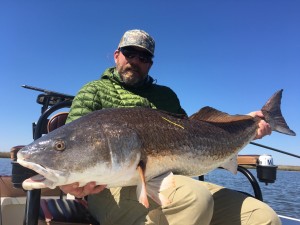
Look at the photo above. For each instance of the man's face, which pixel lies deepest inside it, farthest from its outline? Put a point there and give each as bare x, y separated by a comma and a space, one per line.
133, 64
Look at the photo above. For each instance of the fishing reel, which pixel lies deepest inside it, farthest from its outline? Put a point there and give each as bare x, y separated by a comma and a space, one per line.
266, 170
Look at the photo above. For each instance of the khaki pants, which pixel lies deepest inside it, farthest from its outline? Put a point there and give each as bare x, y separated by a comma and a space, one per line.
193, 202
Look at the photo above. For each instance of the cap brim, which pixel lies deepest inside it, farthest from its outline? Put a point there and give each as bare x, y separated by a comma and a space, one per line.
140, 46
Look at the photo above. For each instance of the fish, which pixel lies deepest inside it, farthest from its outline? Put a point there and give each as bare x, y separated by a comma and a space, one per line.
143, 147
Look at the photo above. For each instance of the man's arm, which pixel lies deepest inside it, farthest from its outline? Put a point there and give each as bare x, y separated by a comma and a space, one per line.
86, 101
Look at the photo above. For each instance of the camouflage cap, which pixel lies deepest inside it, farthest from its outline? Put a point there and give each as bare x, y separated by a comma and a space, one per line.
138, 38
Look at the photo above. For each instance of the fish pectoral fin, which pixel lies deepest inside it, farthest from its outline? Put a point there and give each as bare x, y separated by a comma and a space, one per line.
231, 165
158, 184
141, 190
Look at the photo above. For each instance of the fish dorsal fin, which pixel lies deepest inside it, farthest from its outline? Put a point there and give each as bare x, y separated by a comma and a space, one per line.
212, 115
229, 123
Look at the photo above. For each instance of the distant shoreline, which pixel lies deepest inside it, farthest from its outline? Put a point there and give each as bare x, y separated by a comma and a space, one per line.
4, 154
280, 167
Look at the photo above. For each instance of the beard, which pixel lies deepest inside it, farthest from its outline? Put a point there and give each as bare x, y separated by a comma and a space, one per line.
132, 76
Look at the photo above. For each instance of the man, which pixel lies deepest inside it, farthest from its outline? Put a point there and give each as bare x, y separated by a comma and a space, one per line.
193, 202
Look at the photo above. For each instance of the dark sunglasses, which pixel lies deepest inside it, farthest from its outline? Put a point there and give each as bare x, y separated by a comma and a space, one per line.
130, 53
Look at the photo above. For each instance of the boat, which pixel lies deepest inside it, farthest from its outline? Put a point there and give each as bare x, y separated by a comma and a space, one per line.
47, 206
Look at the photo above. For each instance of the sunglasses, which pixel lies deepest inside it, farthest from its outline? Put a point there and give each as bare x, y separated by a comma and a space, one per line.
131, 53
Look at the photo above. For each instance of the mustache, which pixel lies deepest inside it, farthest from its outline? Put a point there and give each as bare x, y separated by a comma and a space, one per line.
132, 68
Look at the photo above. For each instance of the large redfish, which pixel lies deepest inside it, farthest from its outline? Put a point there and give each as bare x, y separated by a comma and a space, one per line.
133, 146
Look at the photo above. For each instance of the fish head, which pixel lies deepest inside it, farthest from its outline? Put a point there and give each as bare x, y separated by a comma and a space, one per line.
59, 155
91, 147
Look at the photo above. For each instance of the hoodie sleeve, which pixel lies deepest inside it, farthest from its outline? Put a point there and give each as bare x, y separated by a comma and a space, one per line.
85, 101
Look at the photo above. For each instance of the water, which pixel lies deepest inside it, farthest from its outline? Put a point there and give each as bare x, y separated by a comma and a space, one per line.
5, 166
283, 195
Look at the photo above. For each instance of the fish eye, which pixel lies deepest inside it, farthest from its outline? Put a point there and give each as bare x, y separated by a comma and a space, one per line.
59, 145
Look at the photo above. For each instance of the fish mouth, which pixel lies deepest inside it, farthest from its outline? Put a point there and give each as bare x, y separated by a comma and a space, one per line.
46, 177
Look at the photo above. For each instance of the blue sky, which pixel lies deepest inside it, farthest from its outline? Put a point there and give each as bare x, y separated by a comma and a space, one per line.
231, 55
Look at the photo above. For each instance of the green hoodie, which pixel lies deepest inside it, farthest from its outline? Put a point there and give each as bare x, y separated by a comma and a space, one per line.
110, 92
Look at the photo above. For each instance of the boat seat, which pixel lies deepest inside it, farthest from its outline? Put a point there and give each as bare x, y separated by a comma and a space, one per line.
65, 212
57, 121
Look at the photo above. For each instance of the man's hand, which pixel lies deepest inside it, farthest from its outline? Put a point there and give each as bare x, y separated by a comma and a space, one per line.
80, 192
263, 127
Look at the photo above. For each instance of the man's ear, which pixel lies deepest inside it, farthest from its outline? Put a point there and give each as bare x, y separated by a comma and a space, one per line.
116, 55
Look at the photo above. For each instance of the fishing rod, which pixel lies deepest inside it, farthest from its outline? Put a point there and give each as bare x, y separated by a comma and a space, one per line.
274, 149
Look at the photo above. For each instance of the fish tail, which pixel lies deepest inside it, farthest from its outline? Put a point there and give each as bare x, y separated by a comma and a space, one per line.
272, 113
